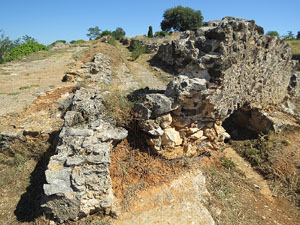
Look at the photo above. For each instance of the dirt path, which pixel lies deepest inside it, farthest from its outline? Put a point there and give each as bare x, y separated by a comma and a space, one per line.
22, 82
145, 77
135, 74
258, 181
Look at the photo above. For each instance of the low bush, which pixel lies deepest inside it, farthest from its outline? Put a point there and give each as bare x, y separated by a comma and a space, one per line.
137, 50
24, 50
55, 42
78, 42
161, 33
111, 40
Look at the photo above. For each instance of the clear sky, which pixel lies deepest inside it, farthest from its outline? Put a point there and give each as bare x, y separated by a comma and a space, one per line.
50, 20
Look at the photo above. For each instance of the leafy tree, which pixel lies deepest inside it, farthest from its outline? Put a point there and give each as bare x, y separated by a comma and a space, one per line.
27, 38
273, 33
290, 35
150, 32
94, 32
5, 45
181, 18
298, 35
105, 33
118, 33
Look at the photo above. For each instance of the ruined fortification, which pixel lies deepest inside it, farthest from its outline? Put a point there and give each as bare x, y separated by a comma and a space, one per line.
223, 66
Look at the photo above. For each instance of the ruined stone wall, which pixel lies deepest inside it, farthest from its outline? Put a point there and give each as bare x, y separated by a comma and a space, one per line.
223, 66
241, 65
78, 178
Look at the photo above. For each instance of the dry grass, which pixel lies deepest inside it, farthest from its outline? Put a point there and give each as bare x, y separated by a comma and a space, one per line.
135, 168
277, 158
295, 45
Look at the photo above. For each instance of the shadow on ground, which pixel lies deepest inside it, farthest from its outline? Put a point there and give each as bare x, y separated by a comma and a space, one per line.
28, 208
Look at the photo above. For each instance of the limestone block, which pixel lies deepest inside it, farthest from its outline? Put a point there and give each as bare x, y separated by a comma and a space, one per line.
171, 138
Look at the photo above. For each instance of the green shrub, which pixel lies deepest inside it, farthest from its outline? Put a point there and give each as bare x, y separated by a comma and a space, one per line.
111, 40
273, 33
161, 33
78, 42
137, 50
24, 50
228, 164
55, 42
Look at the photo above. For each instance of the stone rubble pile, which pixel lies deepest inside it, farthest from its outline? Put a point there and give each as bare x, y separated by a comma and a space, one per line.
223, 66
97, 71
78, 177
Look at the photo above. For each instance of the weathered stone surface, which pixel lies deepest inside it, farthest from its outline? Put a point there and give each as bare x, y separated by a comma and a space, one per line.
97, 71
181, 201
222, 67
165, 120
171, 138
240, 61
78, 180
159, 104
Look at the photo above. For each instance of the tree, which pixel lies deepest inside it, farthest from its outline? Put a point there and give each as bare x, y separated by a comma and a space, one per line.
298, 35
5, 45
105, 33
150, 32
94, 32
290, 35
273, 33
181, 18
27, 38
118, 33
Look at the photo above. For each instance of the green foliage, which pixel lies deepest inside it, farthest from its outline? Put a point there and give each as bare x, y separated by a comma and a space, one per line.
94, 32
55, 42
161, 33
298, 35
289, 36
5, 45
118, 33
23, 50
80, 41
111, 40
105, 33
181, 18
27, 38
273, 33
137, 49
228, 164
150, 32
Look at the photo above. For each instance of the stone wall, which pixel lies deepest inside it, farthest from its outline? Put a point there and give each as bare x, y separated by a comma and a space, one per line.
223, 66
78, 177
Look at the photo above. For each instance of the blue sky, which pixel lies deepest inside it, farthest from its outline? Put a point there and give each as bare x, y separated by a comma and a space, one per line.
50, 20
